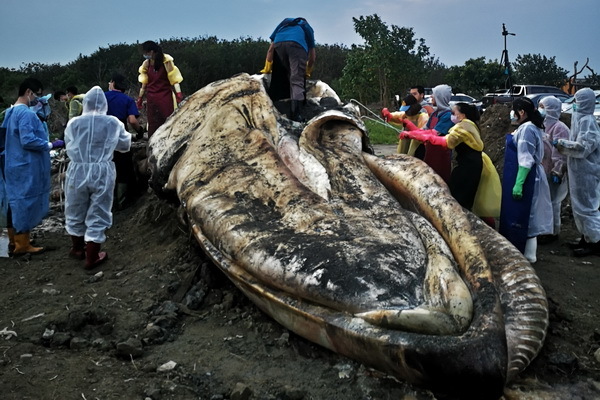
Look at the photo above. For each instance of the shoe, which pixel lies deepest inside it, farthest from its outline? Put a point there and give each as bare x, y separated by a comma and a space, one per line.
577, 244
590, 249
546, 239
93, 255
23, 245
11, 240
78, 250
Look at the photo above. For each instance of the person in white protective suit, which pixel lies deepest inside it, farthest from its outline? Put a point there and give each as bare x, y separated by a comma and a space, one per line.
583, 164
90, 141
554, 163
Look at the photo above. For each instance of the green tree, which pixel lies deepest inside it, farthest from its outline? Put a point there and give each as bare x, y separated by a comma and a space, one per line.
476, 77
535, 69
389, 61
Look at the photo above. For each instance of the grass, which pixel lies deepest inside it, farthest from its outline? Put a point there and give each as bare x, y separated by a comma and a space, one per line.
380, 133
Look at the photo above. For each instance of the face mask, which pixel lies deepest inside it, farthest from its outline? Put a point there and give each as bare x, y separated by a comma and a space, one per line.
513, 116
454, 119
33, 102
542, 112
147, 57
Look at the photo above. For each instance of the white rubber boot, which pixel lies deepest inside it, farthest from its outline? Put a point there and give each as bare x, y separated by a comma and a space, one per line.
531, 249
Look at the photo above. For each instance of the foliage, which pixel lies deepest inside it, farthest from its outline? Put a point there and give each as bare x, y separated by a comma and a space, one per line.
380, 133
476, 77
389, 62
535, 69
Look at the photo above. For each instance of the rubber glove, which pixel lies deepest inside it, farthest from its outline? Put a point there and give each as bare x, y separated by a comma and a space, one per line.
140, 103
268, 68
409, 125
179, 97
58, 143
309, 70
437, 140
555, 178
420, 135
517, 191
386, 114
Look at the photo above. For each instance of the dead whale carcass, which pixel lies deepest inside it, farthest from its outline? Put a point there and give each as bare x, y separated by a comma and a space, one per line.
367, 256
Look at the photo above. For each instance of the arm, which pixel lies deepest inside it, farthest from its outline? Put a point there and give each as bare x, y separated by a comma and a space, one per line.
268, 68
28, 126
124, 141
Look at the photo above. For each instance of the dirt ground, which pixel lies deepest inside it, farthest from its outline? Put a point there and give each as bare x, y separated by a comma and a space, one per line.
159, 321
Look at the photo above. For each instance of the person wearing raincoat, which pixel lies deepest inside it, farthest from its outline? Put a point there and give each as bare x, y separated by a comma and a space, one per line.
159, 78
583, 166
411, 110
437, 157
526, 209
25, 169
554, 163
474, 182
91, 140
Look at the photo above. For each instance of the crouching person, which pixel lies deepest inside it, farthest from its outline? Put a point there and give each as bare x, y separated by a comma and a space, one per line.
90, 141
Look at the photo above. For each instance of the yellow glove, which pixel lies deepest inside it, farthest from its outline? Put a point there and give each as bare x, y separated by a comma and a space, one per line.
309, 70
268, 68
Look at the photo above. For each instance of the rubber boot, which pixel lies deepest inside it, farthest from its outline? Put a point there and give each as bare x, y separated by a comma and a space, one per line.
11, 240
296, 111
23, 245
93, 255
531, 250
590, 249
78, 248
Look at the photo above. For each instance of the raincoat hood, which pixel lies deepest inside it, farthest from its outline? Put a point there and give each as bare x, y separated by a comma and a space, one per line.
442, 95
95, 102
586, 101
552, 105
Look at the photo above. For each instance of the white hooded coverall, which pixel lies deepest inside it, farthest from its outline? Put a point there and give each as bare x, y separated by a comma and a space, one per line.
90, 141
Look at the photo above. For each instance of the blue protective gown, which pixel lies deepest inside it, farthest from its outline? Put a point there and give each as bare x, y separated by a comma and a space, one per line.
90, 141
26, 168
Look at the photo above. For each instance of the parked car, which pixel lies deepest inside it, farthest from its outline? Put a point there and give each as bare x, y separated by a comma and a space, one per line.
464, 98
520, 91
535, 98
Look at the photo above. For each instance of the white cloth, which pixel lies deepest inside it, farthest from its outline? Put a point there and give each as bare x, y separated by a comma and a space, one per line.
583, 163
530, 151
90, 141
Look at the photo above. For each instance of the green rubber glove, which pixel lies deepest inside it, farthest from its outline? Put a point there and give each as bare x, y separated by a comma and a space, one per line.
517, 191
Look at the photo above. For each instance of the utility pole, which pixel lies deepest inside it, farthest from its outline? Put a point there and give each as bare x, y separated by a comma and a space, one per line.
504, 59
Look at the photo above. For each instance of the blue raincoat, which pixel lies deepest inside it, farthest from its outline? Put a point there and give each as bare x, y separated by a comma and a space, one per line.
26, 168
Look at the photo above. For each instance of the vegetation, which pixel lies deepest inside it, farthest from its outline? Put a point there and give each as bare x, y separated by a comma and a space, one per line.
379, 133
390, 60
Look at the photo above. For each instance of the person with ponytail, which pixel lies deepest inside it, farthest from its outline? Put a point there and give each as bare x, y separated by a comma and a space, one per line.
526, 209
160, 80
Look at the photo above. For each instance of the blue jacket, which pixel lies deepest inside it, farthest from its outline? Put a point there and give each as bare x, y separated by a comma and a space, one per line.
294, 30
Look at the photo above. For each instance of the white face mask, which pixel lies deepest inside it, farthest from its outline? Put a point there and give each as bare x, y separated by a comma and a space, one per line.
513, 116
454, 119
542, 112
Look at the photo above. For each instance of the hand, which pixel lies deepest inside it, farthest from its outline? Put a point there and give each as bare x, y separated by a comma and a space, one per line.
386, 114
140, 133
58, 144
140, 103
409, 125
268, 68
309, 70
555, 179
404, 135
179, 97
517, 192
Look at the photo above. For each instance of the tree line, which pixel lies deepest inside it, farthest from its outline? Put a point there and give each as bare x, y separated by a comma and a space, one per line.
389, 62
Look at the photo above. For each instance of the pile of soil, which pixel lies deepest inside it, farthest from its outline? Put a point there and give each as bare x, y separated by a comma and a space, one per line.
159, 321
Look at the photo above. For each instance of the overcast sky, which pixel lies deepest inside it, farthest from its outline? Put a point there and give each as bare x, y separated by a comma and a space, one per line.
57, 31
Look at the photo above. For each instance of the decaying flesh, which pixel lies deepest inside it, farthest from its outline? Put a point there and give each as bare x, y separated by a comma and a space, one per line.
367, 256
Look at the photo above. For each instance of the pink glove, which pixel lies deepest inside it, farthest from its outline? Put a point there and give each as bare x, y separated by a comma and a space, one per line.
139, 103
404, 135
386, 114
179, 97
409, 125
437, 140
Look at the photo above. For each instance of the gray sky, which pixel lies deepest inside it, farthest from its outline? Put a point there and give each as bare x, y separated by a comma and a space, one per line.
57, 31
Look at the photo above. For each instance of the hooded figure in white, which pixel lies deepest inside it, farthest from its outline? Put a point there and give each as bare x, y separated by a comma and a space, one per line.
90, 141
554, 163
583, 163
